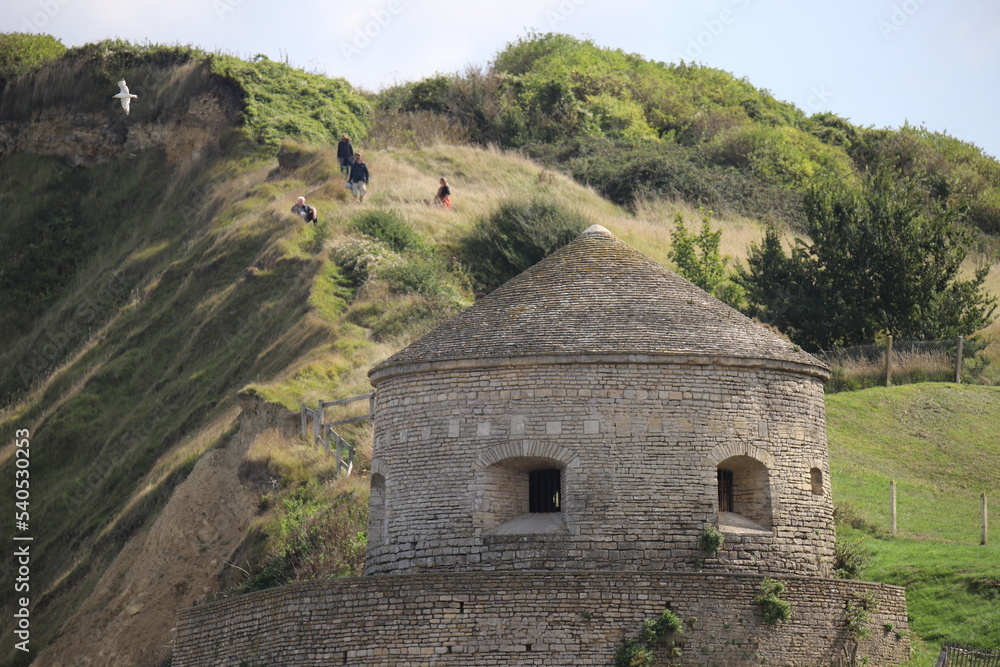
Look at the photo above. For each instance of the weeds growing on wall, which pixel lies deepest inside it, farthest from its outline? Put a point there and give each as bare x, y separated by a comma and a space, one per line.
711, 540
768, 598
641, 651
858, 612
312, 534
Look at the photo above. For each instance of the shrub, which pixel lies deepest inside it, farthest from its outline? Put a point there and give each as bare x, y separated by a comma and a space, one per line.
711, 540
640, 652
389, 227
518, 235
360, 258
311, 536
768, 598
850, 558
623, 172
21, 53
634, 654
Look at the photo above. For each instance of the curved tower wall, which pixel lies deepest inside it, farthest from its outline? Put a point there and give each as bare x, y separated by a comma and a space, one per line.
639, 443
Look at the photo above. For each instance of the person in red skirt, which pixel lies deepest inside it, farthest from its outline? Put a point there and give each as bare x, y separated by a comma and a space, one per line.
443, 197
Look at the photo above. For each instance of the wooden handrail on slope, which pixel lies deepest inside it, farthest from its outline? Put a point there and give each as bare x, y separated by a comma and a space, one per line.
322, 432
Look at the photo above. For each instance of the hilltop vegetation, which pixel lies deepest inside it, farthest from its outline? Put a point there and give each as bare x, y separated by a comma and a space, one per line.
632, 127
144, 297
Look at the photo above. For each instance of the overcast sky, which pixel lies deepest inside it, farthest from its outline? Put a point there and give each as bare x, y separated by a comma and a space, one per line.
878, 63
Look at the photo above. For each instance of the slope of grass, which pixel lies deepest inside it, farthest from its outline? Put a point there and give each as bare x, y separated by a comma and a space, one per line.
941, 444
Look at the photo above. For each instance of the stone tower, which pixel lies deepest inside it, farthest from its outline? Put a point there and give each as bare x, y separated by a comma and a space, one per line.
598, 412
544, 466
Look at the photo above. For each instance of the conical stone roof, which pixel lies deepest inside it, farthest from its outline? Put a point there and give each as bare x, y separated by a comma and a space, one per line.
598, 296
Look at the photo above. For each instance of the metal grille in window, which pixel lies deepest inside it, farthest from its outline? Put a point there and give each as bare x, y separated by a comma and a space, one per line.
543, 490
725, 490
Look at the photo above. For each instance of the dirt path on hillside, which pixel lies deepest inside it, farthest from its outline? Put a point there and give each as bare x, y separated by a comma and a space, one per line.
128, 619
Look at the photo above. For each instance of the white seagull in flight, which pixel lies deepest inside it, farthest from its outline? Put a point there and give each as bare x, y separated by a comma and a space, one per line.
124, 95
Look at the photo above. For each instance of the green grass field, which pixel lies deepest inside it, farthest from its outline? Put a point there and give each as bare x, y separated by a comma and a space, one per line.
940, 443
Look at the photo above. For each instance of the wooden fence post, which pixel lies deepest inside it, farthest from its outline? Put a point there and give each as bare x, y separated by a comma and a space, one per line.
304, 419
892, 507
888, 362
317, 421
958, 361
986, 523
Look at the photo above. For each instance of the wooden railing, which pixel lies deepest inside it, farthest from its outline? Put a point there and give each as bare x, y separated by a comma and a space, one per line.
956, 656
323, 434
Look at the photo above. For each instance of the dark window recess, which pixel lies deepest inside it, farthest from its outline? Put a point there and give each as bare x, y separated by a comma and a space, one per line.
725, 490
816, 479
543, 490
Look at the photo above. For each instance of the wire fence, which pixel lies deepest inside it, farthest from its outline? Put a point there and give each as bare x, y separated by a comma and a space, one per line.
885, 507
904, 362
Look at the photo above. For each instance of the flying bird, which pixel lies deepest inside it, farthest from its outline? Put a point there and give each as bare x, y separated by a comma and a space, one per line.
124, 95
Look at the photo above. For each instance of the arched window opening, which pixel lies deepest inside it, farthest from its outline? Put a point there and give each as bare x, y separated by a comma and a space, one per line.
521, 495
544, 490
816, 480
744, 489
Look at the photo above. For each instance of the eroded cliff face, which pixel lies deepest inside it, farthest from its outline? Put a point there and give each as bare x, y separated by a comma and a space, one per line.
185, 125
128, 619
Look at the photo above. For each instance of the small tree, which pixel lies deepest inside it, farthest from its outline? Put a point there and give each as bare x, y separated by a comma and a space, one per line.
882, 260
699, 259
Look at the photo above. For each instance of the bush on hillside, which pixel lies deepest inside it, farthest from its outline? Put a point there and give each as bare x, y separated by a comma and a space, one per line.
516, 236
281, 101
784, 156
625, 172
389, 227
21, 53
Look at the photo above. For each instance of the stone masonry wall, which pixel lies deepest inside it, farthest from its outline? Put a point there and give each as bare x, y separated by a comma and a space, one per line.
639, 445
531, 619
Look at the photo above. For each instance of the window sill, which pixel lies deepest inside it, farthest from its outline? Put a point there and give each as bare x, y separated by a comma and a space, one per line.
731, 522
532, 524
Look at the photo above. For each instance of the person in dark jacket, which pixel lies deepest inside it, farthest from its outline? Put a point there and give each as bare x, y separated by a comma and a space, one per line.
357, 178
303, 210
345, 154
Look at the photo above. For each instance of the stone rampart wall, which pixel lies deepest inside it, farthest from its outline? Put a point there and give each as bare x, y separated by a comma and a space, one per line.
531, 619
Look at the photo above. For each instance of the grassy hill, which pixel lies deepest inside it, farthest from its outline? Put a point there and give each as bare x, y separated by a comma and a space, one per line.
145, 296
940, 443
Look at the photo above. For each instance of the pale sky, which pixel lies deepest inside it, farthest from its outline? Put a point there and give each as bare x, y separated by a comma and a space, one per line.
877, 63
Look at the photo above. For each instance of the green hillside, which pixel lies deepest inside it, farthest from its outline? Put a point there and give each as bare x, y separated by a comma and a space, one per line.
142, 296
940, 443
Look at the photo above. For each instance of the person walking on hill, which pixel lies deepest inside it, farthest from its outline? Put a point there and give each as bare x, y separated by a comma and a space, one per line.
357, 178
303, 210
443, 196
345, 154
